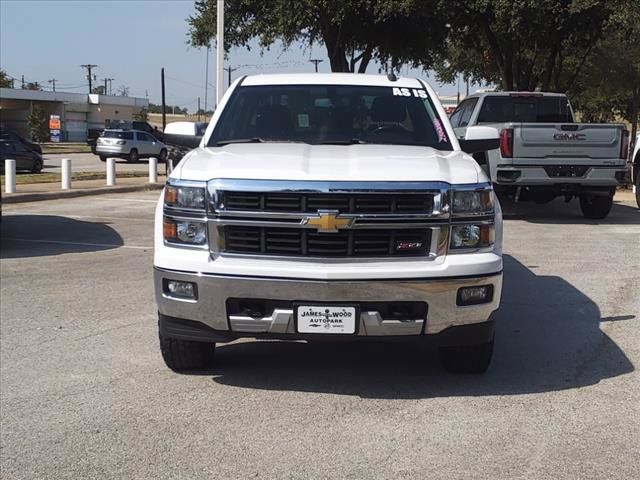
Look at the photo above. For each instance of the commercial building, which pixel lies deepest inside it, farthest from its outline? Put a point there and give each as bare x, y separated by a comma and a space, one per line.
78, 112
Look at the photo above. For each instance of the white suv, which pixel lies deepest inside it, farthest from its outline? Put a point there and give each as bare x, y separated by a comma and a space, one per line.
130, 145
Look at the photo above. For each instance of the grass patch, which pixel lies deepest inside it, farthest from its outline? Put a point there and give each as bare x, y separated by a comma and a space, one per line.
49, 148
22, 179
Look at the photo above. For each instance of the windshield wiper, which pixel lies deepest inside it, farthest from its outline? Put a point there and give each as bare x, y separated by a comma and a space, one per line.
240, 140
351, 141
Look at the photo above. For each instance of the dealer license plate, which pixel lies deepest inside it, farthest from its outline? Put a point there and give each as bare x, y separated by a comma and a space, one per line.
326, 319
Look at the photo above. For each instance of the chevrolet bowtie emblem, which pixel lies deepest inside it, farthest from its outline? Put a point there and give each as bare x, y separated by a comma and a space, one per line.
328, 222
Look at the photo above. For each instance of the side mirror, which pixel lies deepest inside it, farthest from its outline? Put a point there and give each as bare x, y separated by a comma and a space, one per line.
480, 139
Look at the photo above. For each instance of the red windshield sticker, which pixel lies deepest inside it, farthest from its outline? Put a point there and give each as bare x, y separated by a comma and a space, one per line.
442, 135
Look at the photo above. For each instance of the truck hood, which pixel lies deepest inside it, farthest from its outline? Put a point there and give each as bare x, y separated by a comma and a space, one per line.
300, 161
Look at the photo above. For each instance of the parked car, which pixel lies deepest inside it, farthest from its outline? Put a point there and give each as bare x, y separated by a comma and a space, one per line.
10, 135
94, 133
330, 207
26, 159
544, 153
181, 137
130, 145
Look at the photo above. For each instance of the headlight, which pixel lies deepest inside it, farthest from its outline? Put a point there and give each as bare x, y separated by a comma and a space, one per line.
184, 197
472, 236
186, 232
472, 202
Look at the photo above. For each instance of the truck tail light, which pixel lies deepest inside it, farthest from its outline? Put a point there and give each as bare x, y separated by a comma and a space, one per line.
506, 143
624, 147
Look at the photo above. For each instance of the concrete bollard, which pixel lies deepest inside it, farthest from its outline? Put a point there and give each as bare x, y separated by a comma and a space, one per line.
111, 172
153, 170
65, 179
10, 176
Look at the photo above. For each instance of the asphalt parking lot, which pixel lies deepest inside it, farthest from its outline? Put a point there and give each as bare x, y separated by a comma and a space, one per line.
84, 392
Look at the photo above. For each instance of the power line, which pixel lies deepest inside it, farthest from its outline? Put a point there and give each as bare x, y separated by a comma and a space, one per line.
89, 66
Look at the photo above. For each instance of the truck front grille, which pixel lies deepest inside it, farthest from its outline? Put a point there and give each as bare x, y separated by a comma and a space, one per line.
312, 202
329, 219
346, 243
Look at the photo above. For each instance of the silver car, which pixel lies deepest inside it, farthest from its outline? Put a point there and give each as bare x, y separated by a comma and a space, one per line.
130, 145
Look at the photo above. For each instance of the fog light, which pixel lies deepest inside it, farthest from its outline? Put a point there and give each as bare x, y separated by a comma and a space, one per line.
178, 289
474, 295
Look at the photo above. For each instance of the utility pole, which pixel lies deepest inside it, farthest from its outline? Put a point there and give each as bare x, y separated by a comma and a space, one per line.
105, 85
164, 116
198, 108
467, 87
206, 81
89, 66
53, 81
316, 61
230, 69
219, 51
22, 81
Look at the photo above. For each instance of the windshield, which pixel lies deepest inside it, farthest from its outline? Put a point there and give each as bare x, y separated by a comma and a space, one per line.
117, 134
525, 109
325, 114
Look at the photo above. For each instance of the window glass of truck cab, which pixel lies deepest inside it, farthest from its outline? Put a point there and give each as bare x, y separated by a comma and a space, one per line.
526, 109
317, 114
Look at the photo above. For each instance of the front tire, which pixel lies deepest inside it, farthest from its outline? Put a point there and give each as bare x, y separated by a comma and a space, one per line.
596, 207
162, 157
471, 359
184, 355
37, 166
103, 158
133, 156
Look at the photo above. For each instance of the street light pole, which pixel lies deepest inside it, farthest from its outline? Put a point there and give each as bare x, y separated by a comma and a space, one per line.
220, 52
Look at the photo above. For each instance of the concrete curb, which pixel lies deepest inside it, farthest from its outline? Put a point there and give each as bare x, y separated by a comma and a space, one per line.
81, 192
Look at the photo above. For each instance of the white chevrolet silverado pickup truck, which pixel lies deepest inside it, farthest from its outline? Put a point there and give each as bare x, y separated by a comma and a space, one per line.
543, 152
329, 207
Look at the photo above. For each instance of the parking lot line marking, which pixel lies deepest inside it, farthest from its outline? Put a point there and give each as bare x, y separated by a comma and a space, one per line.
84, 244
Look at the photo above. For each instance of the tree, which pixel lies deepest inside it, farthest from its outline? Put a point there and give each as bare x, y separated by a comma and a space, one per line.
5, 80
354, 32
123, 91
142, 115
523, 44
610, 85
153, 108
38, 124
100, 90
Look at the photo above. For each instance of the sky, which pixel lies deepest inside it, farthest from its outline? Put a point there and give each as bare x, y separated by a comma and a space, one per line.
130, 41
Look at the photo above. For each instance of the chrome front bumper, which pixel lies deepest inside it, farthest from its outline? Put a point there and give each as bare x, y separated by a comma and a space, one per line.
214, 290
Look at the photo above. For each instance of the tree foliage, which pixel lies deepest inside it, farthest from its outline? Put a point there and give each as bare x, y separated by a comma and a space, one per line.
5, 80
523, 44
38, 124
610, 84
168, 109
354, 32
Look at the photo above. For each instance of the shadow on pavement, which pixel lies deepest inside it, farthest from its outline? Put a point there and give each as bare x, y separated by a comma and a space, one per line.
41, 235
548, 338
560, 213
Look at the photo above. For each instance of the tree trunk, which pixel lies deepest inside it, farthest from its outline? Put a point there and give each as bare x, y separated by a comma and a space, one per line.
364, 61
335, 48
